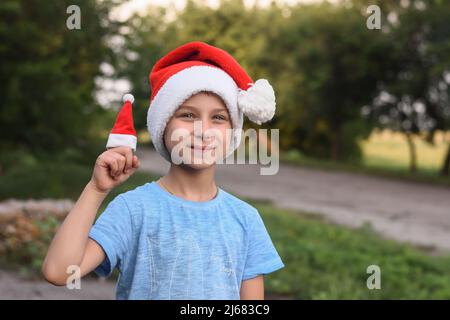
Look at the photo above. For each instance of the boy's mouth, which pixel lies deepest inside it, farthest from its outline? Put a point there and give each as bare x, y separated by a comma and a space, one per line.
203, 148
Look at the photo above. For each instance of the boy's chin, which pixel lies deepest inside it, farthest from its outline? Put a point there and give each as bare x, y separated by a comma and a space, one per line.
198, 166
195, 163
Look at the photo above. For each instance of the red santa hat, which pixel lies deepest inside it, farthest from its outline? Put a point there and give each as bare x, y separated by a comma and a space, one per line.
197, 66
123, 133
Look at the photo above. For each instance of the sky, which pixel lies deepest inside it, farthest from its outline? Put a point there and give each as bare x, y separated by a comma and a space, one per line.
136, 5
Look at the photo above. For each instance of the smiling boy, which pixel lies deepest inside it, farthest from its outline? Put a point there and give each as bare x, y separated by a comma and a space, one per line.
181, 237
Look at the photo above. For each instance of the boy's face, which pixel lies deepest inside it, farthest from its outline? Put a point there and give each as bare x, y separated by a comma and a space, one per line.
199, 130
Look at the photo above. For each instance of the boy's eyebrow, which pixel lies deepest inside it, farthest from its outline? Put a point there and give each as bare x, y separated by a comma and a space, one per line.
184, 106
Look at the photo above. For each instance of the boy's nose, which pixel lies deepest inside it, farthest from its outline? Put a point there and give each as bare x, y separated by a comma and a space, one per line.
201, 128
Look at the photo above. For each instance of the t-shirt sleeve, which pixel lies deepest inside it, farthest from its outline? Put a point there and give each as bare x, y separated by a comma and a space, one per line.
262, 257
112, 231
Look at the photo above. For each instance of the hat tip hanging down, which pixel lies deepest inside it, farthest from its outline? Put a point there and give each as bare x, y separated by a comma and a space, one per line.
123, 133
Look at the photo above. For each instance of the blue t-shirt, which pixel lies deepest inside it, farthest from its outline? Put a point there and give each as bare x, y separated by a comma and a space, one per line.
166, 247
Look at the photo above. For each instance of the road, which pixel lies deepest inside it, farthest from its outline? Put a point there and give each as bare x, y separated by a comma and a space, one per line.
13, 286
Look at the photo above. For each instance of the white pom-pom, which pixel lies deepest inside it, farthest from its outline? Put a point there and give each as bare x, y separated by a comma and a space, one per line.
258, 101
128, 97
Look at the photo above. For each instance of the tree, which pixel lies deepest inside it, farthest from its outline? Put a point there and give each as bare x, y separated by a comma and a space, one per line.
48, 72
414, 98
332, 64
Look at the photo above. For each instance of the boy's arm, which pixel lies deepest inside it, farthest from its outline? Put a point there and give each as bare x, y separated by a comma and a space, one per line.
262, 258
253, 289
71, 244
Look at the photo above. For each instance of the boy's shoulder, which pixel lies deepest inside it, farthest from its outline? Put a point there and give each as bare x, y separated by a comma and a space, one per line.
138, 193
237, 202
243, 209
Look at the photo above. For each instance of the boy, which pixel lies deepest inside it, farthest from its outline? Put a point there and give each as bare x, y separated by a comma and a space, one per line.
181, 237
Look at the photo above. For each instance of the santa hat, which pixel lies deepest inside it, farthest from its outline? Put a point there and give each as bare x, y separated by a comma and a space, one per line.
123, 133
197, 66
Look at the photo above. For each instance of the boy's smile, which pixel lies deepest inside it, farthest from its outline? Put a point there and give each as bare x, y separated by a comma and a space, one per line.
203, 148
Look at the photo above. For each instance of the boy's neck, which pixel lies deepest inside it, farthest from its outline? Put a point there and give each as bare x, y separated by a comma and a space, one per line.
191, 184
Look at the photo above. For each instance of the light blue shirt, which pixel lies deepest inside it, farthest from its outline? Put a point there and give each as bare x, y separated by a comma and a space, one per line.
166, 247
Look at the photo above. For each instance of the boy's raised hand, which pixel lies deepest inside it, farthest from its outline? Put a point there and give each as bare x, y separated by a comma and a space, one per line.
113, 167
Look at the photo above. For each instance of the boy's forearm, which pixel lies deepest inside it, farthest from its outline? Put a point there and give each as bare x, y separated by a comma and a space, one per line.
68, 245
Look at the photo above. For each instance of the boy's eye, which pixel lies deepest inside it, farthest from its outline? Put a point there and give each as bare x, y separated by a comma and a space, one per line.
187, 115
220, 117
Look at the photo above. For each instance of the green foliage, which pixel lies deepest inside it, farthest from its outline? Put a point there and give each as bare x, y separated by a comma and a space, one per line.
28, 256
47, 73
333, 66
324, 64
55, 179
416, 89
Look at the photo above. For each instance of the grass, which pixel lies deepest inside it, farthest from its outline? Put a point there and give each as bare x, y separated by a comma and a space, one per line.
385, 154
323, 261
387, 149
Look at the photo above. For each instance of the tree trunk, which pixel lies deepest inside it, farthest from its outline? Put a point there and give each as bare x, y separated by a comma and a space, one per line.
336, 146
445, 170
412, 152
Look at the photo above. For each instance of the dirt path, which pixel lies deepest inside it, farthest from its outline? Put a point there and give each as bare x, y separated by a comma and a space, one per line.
405, 211
13, 286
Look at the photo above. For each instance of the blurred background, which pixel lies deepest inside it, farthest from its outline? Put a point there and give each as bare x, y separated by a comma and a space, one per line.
363, 114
